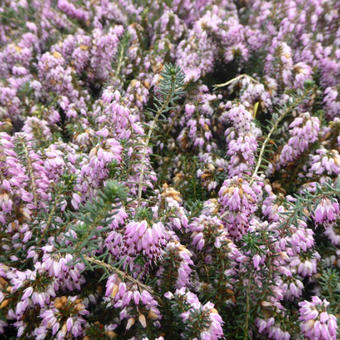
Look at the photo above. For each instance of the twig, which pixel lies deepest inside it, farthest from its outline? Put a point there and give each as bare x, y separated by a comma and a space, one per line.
121, 53
152, 127
246, 327
274, 127
120, 273
172, 123
31, 173
235, 79
263, 147
99, 217
49, 220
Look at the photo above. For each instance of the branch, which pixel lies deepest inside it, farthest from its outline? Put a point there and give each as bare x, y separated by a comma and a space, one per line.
121, 52
120, 273
259, 160
271, 131
152, 127
175, 76
236, 79
246, 327
30, 172
49, 219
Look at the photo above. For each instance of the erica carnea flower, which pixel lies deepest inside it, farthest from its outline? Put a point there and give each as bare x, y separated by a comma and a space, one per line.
211, 325
53, 319
133, 302
238, 200
304, 131
316, 322
326, 211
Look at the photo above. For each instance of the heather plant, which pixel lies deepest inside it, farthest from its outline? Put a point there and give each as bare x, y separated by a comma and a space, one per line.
169, 169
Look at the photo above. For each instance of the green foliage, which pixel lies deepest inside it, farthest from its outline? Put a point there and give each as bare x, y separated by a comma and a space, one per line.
252, 242
121, 53
169, 90
307, 201
330, 288
93, 219
143, 213
192, 326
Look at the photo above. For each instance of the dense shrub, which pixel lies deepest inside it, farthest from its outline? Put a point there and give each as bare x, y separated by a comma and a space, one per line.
169, 169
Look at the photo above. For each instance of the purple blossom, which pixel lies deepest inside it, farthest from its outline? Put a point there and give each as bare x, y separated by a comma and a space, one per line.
316, 323
326, 211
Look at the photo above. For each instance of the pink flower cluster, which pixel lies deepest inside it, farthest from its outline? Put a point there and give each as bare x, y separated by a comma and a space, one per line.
316, 322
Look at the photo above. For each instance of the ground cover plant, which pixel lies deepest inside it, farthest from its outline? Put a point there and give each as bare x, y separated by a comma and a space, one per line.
169, 169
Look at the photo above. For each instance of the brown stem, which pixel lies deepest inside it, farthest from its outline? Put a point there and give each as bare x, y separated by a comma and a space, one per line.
246, 327
235, 79
30, 172
120, 273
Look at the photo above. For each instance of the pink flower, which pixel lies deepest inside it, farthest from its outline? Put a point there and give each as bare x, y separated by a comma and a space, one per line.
326, 211
316, 323
256, 261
